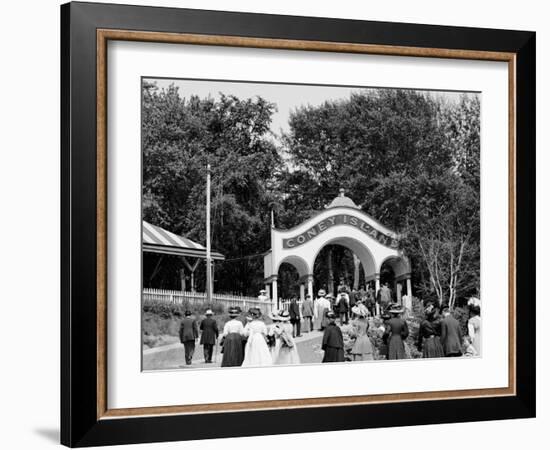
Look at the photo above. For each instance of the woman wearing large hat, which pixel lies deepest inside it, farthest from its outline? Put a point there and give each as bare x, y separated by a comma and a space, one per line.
333, 341
285, 351
362, 348
233, 340
397, 331
256, 351
474, 326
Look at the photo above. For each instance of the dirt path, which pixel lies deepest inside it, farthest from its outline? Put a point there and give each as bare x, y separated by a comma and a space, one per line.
170, 357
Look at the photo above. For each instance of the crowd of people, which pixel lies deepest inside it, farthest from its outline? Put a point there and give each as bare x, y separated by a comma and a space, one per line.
344, 320
251, 345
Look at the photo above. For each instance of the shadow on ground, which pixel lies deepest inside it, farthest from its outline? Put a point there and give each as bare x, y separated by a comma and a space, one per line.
50, 434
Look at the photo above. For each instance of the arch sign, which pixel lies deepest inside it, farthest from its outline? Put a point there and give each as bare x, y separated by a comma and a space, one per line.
343, 223
341, 219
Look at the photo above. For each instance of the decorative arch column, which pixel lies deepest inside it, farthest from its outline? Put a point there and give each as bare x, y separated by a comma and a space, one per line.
376, 289
409, 286
310, 285
376, 283
275, 298
302, 292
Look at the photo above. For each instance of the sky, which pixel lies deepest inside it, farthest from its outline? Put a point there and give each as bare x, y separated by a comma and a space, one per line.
287, 97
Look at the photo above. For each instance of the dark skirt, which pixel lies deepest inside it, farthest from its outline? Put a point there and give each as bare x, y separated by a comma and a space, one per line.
432, 348
233, 353
396, 348
333, 354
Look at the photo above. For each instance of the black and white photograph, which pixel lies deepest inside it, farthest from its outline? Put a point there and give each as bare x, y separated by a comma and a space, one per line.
287, 224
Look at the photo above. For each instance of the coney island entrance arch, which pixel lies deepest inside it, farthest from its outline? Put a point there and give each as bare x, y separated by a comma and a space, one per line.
343, 223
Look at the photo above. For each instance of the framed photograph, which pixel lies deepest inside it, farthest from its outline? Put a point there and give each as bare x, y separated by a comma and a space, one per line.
276, 224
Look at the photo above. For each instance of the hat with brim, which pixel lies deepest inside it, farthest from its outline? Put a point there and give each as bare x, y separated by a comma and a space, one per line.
263, 291
284, 316
209, 312
321, 293
359, 311
396, 309
330, 315
233, 312
255, 313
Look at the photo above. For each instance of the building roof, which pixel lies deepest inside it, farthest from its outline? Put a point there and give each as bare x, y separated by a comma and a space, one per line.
342, 200
158, 240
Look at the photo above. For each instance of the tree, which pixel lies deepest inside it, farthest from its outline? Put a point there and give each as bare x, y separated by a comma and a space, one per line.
352, 142
180, 137
411, 160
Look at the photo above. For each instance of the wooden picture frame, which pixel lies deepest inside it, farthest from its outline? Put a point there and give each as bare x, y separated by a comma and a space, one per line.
85, 417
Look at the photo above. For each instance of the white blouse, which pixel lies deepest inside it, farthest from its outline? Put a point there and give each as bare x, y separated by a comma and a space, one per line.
256, 326
233, 326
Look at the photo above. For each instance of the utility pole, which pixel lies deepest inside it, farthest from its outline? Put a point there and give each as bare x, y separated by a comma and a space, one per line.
208, 249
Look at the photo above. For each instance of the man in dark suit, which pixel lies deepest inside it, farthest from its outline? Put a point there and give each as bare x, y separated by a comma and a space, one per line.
342, 306
451, 335
294, 311
189, 332
209, 336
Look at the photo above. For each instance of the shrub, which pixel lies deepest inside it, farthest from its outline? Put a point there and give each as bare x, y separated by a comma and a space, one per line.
161, 320
413, 322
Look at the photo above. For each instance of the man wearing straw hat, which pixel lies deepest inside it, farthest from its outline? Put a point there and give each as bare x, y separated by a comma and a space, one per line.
322, 305
308, 313
209, 336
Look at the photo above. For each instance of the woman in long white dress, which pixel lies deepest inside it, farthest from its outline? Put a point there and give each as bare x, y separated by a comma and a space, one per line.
474, 328
256, 351
271, 337
285, 352
320, 308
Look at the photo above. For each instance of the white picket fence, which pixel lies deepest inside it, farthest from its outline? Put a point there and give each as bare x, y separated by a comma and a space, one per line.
193, 298
284, 303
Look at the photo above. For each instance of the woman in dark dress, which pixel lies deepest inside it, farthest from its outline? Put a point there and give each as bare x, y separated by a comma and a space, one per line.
232, 338
333, 341
397, 331
428, 335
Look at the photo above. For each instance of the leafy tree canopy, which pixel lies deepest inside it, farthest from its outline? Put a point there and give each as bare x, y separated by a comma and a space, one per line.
410, 159
180, 137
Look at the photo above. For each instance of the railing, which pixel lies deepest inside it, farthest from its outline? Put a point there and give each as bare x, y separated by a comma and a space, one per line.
284, 303
193, 298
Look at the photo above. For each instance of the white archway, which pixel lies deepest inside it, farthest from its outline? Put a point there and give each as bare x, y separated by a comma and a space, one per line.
359, 249
343, 223
401, 269
299, 264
